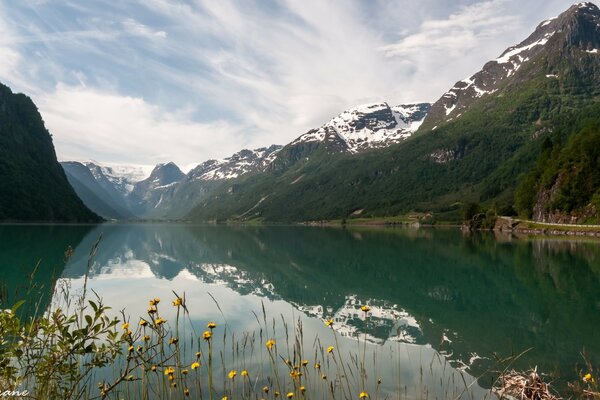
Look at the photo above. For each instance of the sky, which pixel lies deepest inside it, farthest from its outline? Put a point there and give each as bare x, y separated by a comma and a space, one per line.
149, 81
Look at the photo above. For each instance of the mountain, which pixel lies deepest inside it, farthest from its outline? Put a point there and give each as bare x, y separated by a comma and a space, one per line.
241, 163
363, 128
178, 199
478, 140
92, 193
148, 194
167, 193
33, 186
368, 127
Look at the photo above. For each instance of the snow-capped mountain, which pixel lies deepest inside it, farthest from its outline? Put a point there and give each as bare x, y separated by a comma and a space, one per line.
166, 192
241, 163
368, 126
122, 177
579, 25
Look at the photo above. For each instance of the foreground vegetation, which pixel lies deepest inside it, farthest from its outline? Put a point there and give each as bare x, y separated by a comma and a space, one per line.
80, 352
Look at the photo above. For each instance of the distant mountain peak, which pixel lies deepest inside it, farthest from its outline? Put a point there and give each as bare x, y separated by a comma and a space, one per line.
368, 126
241, 163
164, 174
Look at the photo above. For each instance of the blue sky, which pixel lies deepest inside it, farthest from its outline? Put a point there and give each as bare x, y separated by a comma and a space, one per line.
142, 82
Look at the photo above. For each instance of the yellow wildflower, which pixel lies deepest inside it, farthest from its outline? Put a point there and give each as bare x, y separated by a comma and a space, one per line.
224, 398
324, 377
270, 343
330, 349
152, 310
130, 349
365, 309
139, 348
154, 301
195, 365
125, 326
198, 354
177, 302
244, 372
588, 378
143, 322
171, 378
318, 366
185, 371
211, 325
130, 377
290, 395
232, 374
207, 335
146, 338
153, 368
363, 395
329, 322
173, 340
304, 363
302, 389
276, 393
169, 371
186, 392
159, 321
266, 389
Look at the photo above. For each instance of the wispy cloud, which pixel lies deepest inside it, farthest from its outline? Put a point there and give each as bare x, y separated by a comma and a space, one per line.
138, 29
158, 80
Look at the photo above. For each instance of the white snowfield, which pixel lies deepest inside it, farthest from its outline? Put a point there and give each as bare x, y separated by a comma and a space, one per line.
363, 127
122, 176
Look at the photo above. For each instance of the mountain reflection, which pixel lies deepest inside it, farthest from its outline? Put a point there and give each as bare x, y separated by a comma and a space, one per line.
467, 297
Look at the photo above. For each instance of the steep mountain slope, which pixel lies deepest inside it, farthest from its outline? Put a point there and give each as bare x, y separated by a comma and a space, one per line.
564, 186
127, 192
177, 200
473, 146
92, 193
148, 193
33, 186
117, 180
360, 129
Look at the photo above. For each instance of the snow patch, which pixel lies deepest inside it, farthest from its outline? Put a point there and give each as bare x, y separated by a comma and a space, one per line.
513, 51
369, 126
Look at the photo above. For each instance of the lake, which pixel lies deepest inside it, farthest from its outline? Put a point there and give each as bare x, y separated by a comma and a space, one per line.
444, 305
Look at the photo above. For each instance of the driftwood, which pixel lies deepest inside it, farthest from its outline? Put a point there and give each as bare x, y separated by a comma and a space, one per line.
515, 385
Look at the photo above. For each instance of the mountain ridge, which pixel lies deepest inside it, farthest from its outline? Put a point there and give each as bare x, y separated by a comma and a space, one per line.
477, 156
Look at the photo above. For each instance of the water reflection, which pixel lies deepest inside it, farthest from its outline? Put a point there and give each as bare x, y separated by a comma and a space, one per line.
467, 297
32, 257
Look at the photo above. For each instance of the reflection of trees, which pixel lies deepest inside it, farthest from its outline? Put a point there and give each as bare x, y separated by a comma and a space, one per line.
496, 296
22, 247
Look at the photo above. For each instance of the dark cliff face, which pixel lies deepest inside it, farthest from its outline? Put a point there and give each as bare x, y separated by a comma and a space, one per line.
33, 185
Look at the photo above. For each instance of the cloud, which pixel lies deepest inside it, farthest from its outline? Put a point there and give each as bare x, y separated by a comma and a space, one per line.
88, 123
460, 33
138, 29
139, 82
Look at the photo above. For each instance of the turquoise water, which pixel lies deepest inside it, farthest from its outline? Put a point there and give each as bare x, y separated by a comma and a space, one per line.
435, 295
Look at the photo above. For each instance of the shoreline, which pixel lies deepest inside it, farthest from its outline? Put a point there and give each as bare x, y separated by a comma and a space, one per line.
509, 225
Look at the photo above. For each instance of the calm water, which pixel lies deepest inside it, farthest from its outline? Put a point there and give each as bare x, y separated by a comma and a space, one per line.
435, 294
